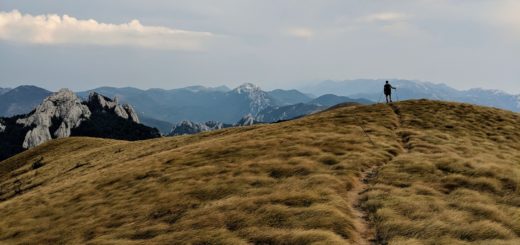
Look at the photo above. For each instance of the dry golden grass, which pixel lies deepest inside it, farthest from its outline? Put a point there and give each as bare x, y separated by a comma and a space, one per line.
457, 183
444, 173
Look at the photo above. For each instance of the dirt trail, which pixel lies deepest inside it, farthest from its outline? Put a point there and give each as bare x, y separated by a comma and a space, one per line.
364, 225
405, 139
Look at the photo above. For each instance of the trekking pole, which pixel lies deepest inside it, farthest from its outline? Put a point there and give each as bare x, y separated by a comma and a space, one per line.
396, 95
379, 100
366, 134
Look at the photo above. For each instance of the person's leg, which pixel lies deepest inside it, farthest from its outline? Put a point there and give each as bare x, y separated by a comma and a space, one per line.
386, 97
390, 96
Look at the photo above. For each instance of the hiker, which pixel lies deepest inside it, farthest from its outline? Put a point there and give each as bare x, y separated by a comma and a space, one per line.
388, 92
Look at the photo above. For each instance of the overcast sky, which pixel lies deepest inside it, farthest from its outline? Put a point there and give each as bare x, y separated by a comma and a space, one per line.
83, 44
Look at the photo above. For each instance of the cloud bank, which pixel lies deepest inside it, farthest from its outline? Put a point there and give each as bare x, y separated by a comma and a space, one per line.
301, 32
53, 29
384, 17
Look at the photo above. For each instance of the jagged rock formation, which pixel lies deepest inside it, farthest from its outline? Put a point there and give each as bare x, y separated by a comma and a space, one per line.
247, 120
215, 125
63, 114
189, 127
63, 108
99, 102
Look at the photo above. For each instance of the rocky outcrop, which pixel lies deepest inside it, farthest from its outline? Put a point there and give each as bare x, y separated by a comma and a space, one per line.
189, 127
99, 102
59, 113
131, 113
247, 120
63, 114
36, 136
214, 125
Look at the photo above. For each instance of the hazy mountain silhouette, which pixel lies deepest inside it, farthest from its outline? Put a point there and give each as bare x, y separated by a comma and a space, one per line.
198, 103
289, 97
163, 108
4, 90
21, 100
331, 99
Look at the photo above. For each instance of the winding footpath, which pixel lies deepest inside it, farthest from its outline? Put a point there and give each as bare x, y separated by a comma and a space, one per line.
364, 225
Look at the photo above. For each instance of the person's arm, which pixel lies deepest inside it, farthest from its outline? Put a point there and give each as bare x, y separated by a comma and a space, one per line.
394, 88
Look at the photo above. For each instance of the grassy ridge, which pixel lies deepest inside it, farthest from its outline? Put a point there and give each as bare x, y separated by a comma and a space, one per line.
276, 183
438, 173
457, 183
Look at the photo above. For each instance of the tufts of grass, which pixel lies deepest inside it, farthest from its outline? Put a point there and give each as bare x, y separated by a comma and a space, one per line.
37, 164
444, 173
458, 182
329, 160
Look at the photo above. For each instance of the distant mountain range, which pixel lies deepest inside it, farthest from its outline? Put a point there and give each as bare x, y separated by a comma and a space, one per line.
164, 109
373, 89
198, 104
202, 104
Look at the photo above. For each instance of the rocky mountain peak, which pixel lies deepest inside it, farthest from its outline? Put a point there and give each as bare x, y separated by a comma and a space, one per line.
247, 88
258, 98
99, 102
61, 111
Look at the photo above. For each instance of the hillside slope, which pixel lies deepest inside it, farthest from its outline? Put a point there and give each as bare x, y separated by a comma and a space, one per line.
418, 172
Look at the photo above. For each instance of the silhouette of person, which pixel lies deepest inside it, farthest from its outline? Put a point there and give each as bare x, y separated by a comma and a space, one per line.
388, 92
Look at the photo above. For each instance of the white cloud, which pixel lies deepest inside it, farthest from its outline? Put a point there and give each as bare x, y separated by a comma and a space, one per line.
301, 32
384, 17
53, 29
